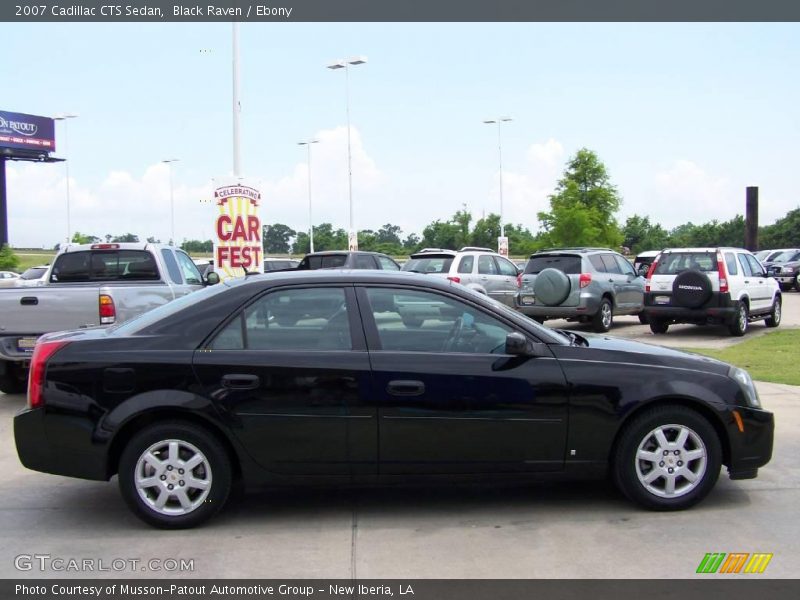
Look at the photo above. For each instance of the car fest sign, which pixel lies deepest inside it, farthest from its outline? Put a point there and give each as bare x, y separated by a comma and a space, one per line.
237, 241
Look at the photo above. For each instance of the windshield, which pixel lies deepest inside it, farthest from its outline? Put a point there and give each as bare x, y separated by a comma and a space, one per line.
429, 264
323, 261
34, 273
788, 256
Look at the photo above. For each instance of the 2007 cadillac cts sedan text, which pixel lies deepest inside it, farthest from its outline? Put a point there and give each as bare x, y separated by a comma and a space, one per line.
357, 376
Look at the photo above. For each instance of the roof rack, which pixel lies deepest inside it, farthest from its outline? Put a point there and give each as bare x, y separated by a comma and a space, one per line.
578, 249
476, 249
425, 250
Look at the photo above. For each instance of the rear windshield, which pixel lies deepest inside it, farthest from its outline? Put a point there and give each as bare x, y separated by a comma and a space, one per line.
33, 273
429, 264
105, 265
677, 262
323, 261
274, 265
569, 264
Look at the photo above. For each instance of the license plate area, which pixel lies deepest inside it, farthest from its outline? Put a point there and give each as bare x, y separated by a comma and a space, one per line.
527, 299
26, 344
661, 299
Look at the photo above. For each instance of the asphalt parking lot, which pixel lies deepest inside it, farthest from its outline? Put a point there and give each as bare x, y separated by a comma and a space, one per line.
564, 530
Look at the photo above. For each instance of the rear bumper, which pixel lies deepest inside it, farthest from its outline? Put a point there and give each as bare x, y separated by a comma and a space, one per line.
751, 448
719, 308
58, 444
588, 305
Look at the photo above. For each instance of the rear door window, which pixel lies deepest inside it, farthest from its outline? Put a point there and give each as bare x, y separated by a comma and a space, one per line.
486, 265
611, 264
569, 264
598, 263
466, 264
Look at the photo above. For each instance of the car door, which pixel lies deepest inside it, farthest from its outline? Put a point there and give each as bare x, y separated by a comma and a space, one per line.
506, 281
447, 397
632, 287
762, 289
487, 276
289, 372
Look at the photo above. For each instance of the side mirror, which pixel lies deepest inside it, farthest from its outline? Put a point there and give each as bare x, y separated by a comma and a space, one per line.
516, 344
212, 278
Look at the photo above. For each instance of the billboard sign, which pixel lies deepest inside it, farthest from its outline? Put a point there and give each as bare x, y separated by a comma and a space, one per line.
502, 246
19, 131
237, 242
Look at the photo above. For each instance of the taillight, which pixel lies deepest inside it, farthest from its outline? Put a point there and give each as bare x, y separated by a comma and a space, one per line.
105, 246
649, 275
585, 279
723, 274
519, 280
108, 314
41, 354
455, 279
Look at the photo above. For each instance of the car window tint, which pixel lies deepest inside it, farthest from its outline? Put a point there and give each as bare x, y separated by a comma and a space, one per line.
486, 265
672, 263
505, 267
434, 264
745, 265
364, 261
730, 263
296, 319
624, 265
172, 265
417, 321
388, 264
755, 266
231, 337
105, 265
190, 273
597, 263
611, 264
466, 264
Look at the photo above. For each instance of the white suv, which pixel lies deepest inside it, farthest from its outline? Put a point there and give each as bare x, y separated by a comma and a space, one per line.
710, 286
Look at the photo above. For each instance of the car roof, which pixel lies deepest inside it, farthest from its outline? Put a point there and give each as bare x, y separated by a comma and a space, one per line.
708, 250
578, 249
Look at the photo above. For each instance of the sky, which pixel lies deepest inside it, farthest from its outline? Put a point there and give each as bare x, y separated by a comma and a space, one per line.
684, 116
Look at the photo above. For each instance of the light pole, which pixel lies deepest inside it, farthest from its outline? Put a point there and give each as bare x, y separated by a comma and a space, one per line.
169, 162
237, 105
499, 121
65, 117
307, 144
346, 64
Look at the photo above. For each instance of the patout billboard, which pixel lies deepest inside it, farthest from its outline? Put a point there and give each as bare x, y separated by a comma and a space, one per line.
21, 131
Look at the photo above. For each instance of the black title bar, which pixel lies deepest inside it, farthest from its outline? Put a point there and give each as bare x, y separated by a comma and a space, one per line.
399, 10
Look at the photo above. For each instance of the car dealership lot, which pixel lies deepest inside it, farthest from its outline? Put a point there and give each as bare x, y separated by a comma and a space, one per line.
542, 530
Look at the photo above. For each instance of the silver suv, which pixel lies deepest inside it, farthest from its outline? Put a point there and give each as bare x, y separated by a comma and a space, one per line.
580, 284
480, 269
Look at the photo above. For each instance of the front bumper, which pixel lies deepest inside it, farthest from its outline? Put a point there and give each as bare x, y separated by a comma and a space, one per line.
751, 448
58, 444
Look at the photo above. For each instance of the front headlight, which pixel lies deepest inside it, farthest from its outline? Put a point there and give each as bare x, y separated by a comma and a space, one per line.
744, 380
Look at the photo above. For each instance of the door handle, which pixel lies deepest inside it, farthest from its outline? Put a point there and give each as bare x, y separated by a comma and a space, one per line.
241, 382
29, 301
747, 281
403, 387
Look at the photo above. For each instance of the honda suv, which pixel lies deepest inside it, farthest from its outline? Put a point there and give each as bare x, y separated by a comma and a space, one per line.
580, 284
480, 269
710, 286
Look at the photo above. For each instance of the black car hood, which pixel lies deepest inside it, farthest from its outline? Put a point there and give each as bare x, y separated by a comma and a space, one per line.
605, 347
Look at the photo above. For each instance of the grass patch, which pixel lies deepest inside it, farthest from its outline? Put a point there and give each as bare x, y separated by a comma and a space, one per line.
32, 258
772, 357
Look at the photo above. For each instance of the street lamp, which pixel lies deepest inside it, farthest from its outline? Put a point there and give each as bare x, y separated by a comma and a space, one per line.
500, 120
169, 162
65, 117
346, 64
307, 144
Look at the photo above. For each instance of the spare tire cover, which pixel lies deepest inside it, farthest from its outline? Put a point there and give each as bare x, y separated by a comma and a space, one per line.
551, 287
691, 289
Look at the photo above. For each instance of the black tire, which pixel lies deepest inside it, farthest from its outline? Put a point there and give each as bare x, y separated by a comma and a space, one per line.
785, 287
603, 319
774, 318
552, 287
797, 284
738, 324
658, 326
12, 379
701, 454
217, 469
643, 318
691, 289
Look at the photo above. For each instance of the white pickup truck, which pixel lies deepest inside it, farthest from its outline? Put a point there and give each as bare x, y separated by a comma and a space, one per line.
86, 286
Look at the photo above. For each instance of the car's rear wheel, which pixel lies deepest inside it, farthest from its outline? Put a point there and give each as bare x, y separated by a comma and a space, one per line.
604, 317
774, 318
175, 475
13, 380
667, 458
658, 326
738, 325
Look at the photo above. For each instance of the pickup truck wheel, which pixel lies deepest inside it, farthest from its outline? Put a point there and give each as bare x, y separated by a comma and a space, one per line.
774, 318
738, 326
667, 458
175, 475
797, 284
643, 318
604, 317
785, 287
658, 326
13, 380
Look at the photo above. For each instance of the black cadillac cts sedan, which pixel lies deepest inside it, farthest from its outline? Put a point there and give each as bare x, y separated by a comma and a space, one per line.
358, 376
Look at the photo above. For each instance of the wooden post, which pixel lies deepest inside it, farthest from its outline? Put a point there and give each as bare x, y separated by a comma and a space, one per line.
751, 220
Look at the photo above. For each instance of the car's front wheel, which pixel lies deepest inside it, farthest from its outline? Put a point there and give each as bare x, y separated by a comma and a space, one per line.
658, 326
175, 475
604, 317
667, 458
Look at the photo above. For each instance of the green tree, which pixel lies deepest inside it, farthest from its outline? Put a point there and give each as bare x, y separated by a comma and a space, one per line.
126, 238
8, 259
325, 238
153, 240
276, 238
80, 238
584, 205
639, 234
411, 244
784, 233
197, 246
389, 234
